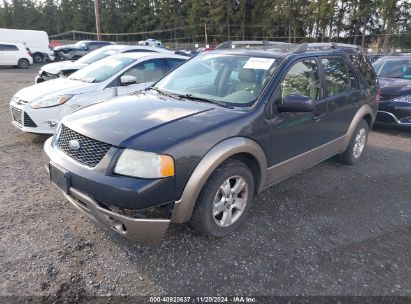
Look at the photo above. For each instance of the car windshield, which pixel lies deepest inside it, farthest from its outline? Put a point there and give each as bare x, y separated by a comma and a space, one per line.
393, 68
101, 70
231, 80
97, 55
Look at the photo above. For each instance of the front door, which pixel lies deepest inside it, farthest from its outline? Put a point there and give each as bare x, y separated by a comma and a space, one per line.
146, 73
294, 134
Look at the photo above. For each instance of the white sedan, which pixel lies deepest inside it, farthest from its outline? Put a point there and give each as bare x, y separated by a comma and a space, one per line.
39, 108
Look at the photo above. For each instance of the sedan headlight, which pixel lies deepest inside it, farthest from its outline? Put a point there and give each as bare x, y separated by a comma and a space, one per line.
50, 102
144, 164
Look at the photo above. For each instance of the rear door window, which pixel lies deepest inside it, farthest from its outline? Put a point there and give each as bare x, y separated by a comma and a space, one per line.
338, 75
172, 63
8, 48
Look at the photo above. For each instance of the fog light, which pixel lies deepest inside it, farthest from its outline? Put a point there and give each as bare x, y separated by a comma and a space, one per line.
51, 124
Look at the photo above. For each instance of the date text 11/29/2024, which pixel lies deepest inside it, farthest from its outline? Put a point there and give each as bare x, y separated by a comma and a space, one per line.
203, 299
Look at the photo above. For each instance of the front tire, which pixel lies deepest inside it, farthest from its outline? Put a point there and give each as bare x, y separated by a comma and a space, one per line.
225, 199
357, 144
23, 64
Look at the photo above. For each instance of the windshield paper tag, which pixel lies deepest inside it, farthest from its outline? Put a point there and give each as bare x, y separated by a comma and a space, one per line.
258, 63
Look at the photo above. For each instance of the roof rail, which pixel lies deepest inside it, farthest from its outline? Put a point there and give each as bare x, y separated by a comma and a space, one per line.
304, 47
254, 43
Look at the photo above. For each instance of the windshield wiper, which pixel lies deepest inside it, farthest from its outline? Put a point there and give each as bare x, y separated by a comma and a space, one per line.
163, 92
192, 97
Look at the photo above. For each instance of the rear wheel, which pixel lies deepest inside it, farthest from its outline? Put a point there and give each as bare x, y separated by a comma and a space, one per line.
224, 200
37, 58
357, 144
23, 64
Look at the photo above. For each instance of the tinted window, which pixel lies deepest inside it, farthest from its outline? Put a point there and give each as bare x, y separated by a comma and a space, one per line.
7, 47
364, 67
337, 75
148, 71
93, 46
174, 62
302, 79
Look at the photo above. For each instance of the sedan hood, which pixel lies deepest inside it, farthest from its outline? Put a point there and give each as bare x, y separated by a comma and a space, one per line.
57, 67
393, 87
121, 120
67, 46
55, 87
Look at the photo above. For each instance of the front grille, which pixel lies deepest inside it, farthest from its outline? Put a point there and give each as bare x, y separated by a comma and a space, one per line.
16, 114
91, 151
49, 76
28, 122
386, 97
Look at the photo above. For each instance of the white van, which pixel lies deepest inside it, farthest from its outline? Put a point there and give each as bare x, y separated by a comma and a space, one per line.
15, 54
36, 41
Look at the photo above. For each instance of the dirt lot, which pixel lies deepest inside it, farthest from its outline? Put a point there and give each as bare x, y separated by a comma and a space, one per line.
332, 230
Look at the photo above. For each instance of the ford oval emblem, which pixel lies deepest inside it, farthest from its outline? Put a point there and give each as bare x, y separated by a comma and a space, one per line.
74, 144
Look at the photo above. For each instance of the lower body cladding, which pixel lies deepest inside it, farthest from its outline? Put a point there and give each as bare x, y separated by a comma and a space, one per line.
109, 200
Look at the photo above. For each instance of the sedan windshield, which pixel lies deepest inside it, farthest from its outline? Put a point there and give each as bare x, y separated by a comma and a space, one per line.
102, 70
393, 68
97, 55
232, 80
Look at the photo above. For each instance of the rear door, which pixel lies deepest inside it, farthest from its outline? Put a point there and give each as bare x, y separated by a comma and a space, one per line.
343, 94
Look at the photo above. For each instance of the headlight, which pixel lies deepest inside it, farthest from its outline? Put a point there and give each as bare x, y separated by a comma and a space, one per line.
50, 102
144, 164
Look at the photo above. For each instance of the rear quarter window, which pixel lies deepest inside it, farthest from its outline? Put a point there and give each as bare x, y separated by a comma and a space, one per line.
8, 48
366, 71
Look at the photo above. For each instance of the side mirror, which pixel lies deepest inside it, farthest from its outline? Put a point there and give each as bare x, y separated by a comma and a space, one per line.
296, 103
127, 80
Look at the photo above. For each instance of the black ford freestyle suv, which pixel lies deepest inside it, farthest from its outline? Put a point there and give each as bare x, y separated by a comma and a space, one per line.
199, 144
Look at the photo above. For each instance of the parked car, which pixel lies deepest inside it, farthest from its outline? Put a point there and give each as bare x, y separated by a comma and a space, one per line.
199, 152
36, 41
63, 69
394, 76
39, 108
79, 49
15, 54
151, 42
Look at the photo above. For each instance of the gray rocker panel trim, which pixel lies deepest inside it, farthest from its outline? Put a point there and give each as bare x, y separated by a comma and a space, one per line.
214, 158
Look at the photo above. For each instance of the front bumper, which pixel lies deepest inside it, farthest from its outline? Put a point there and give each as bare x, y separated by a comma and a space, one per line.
96, 193
41, 121
385, 118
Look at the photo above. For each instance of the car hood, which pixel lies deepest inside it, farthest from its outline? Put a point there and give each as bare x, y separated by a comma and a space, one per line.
395, 86
57, 67
67, 46
55, 87
120, 121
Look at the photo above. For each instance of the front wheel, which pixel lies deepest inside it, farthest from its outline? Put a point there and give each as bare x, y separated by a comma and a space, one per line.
224, 201
23, 64
356, 145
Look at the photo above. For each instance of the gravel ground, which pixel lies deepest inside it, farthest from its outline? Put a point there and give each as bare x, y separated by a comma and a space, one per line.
331, 230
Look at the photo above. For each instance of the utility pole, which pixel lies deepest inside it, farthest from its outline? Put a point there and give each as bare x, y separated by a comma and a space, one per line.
96, 12
205, 33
